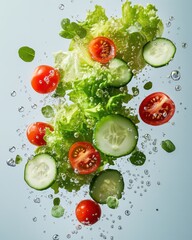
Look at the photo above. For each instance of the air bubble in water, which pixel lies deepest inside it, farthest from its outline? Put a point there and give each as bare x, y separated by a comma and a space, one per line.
37, 200
148, 183
34, 106
168, 24
127, 212
184, 45
13, 94
178, 88
175, 75
55, 237
12, 149
11, 162
61, 6
34, 219
21, 109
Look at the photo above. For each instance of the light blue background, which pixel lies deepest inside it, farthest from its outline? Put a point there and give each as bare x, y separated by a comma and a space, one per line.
36, 24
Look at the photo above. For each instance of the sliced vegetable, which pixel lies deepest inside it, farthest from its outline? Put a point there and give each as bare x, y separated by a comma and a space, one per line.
45, 79
84, 158
120, 72
159, 52
88, 212
156, 109
36, 132
168, 146
102, 49
115, 135
57, 211
112, 202
105, 184
40, 172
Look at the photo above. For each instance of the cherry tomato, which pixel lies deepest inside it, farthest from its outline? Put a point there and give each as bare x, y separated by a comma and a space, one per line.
156, 109
102, 49
84, 158
88, 212
36, 133
45, 79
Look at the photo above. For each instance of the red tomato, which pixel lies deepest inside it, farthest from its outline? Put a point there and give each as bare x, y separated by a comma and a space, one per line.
45, 79
84, 158
36, 133
102, 49
156, 109
88, 212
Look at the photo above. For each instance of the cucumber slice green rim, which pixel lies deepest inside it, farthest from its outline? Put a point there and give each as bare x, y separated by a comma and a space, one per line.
115, 135
159, 52
105, 184
40, 172
120, 72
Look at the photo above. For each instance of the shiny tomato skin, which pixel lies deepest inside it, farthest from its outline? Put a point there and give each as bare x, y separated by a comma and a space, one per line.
45, 79
36, 132
156, 109
84, 158
102, 49
88, 212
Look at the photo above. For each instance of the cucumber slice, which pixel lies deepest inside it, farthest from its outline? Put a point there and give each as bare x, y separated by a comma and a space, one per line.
159, 52
115, 135
40, 171
120, 72
107, 183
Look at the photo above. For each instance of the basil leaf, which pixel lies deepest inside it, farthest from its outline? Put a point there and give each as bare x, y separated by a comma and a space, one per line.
138, 158
18, 159
56, 201
47, 111
168, 146
27, 54
148, 85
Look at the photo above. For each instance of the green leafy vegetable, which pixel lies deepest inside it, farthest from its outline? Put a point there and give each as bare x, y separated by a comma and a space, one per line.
47, 111
57, 211
112, 202
168, 146
18, 159
27, 54
56, 201
137, 158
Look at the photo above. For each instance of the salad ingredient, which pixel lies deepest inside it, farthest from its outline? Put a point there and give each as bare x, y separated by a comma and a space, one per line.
71, 29
168, 146
159, 52
84, 158
137, 158
156, 109
88, 212
36, 132
121, 74
45, 79
56, 201
102, 49
47, 111
115, 135
105, 184
112, 202
40, 172
26, 53
18, 159
148, 85
57, 211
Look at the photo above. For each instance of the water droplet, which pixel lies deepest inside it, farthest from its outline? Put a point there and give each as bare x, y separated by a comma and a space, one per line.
127, 212
171, 18
148, 183
11, 162
21, 109
55, 237
34, 219
61, 6
13, 94
120, 227
68, 235
175, 75
37, 200
12, 149
184, 45
50, 196
158, 183
146, 172
76, 134
168, 24
119, 217
178, 88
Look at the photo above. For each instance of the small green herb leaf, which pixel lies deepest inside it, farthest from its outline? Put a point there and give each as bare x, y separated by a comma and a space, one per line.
27, 54
57, 211
18, 159
168, 146
148, 85
112, 202
138, 158
56, 201
47, 111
